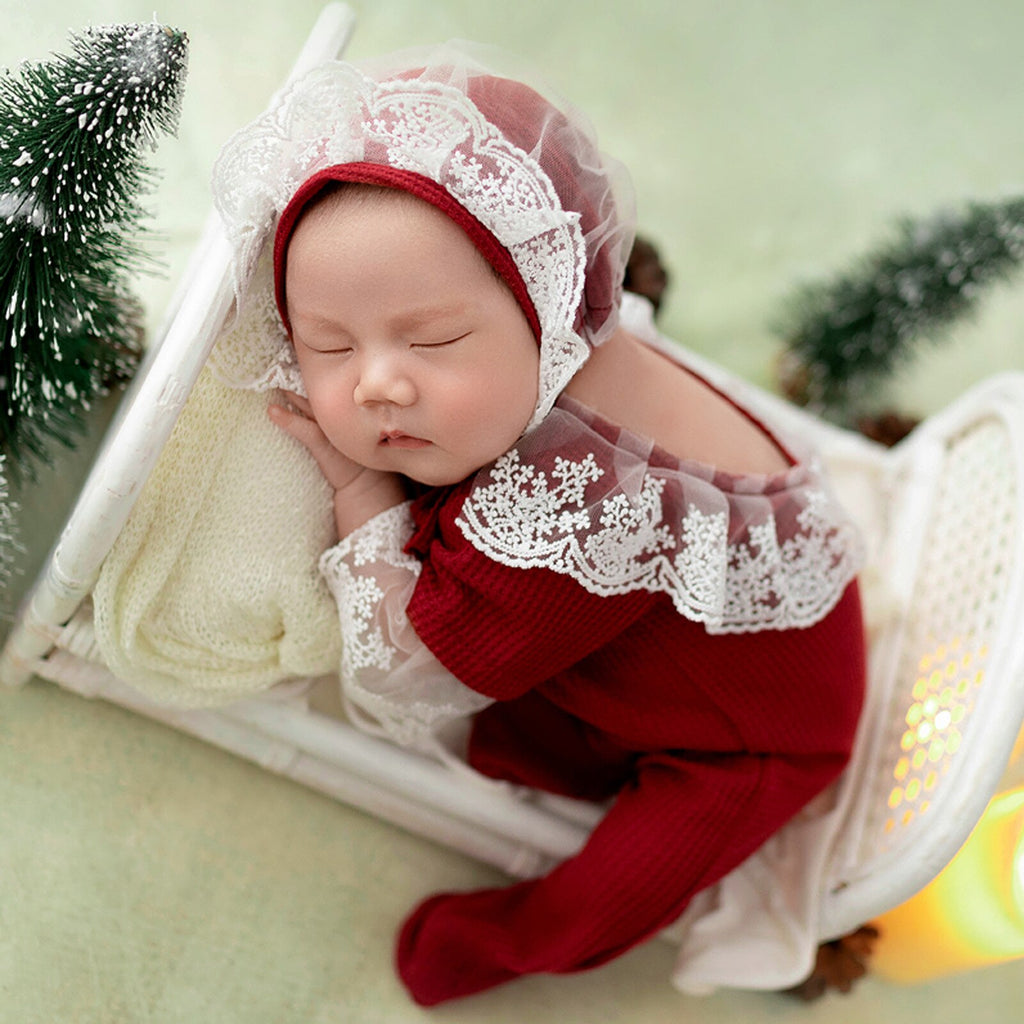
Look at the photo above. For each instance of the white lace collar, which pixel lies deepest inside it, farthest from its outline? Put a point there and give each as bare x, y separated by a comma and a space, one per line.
737, 553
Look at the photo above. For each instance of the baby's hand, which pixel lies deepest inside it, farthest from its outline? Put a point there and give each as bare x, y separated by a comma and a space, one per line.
359, 493
297, 419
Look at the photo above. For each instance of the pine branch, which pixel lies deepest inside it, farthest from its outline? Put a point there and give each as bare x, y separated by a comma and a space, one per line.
846, 335
72, 133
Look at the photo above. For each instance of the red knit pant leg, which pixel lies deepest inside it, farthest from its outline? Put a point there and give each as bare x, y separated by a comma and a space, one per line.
678, 827
532, 742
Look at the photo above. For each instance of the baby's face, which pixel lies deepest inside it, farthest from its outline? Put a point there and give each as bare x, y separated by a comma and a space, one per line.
416, 358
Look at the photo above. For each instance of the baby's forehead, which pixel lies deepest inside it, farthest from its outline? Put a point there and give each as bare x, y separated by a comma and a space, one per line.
329, 218
386, 247
337, 198
371, 214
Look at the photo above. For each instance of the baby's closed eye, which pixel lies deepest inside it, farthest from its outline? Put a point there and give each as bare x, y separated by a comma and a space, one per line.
443, 342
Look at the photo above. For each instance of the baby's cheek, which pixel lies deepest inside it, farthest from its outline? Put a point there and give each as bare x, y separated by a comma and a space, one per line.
328, 396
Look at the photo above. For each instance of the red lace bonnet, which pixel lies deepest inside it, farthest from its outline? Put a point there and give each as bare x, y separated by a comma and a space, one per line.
565, 153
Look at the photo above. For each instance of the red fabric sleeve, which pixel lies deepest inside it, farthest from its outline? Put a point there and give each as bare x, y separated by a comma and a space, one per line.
502, 630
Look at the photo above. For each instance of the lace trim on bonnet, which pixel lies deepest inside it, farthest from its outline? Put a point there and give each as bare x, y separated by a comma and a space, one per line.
336, 114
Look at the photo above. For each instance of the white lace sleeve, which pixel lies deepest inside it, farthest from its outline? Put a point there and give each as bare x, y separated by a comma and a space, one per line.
392, 684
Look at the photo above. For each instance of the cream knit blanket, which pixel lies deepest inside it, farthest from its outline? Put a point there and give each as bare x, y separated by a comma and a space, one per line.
212, 590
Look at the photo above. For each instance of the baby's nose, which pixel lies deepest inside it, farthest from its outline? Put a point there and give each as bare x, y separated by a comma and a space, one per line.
382, 380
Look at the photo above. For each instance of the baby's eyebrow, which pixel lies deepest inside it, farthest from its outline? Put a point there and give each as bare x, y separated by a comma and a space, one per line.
427, 315
401, 323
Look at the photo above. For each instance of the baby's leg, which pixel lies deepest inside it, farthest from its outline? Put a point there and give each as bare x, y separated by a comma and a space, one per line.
677, 827
532, 742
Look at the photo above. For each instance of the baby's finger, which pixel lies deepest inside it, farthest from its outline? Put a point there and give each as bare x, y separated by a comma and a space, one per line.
297, 401
304, 429
338, 469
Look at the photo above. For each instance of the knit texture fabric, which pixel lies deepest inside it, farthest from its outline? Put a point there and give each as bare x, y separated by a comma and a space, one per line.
211, 591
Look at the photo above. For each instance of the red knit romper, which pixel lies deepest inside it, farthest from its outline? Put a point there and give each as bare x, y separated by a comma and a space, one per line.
708, 744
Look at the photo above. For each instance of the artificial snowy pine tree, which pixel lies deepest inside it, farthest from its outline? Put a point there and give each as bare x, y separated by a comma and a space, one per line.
844, 336
72, 131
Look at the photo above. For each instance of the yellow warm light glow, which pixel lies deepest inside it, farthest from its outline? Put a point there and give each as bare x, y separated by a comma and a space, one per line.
972, 914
